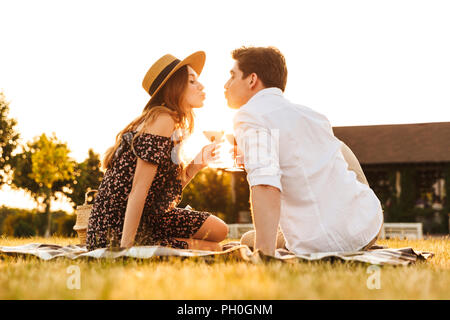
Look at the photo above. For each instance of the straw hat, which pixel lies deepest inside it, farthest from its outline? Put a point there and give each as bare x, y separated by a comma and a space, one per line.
166, 66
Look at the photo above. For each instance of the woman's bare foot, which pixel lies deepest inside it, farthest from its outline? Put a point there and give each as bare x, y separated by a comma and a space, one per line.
202, 244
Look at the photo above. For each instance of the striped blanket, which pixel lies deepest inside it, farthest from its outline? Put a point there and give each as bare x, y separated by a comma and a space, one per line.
232, 251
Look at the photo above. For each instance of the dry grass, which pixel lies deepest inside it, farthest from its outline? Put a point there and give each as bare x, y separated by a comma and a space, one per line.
31, 278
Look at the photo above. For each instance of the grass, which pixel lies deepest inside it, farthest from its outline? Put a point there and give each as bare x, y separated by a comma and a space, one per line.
31, 278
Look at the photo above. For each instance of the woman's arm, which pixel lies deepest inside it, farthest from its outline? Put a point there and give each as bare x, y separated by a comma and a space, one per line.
142, 181
143, 177
190, 171
208, 154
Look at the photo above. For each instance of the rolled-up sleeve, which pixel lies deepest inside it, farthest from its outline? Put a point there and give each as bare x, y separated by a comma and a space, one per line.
260, 146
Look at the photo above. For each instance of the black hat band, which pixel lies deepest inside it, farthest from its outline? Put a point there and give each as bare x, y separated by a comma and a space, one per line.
162, 75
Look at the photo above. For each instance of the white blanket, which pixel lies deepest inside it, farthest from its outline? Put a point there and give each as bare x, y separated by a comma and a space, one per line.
234, 251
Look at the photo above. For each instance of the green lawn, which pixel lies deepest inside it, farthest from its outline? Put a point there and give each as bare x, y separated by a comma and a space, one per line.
32, 278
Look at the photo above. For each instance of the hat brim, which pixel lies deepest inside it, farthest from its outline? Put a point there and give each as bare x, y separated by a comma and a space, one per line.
195, 60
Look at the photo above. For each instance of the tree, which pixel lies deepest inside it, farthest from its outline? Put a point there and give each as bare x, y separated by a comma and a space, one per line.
8, 138
210, 191
87, 176
43, 168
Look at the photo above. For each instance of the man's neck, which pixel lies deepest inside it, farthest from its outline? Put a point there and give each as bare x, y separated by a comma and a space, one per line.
262, 91
253, 93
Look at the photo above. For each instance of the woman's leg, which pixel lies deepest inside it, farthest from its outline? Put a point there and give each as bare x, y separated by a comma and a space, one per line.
213, 229
200, 230
197, 244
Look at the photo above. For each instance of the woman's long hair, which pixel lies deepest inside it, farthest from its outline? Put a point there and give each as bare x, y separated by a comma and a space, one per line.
167, 100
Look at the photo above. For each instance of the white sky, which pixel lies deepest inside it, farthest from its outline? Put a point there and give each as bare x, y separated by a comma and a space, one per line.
75, 67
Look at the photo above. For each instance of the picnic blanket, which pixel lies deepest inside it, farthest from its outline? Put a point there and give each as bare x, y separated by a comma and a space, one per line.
378, 255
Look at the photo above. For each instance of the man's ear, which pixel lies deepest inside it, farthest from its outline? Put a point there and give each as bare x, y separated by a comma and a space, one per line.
253, 80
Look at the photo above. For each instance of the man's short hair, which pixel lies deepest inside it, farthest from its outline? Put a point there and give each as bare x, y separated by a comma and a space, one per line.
267, 62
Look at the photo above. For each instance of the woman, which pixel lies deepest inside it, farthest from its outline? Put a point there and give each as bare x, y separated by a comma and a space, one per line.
144, 177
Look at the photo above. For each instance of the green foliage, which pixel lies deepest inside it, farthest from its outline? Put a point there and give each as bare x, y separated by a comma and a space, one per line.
43, 168
88, 176
64, 225
24, 229
23, 175
25, 223
6, 212
8, 138
20, 224
22, 170
210, 190
50, 162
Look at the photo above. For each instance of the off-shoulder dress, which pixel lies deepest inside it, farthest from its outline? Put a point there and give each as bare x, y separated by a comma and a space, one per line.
161, 221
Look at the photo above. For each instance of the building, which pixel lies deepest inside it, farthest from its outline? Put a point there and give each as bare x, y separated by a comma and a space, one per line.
405, 164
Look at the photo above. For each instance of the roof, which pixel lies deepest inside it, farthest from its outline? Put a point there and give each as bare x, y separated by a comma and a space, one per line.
399, 143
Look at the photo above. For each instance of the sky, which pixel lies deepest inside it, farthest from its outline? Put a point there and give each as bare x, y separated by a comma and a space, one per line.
76, 67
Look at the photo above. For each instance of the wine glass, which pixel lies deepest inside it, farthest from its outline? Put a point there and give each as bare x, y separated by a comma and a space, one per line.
232, 141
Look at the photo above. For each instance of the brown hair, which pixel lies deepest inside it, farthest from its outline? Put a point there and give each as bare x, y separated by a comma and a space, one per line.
267, 62
167, 100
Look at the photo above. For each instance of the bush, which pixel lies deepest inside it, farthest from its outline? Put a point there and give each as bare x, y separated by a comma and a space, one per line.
25, 223
64, 225
24, 229
19, 225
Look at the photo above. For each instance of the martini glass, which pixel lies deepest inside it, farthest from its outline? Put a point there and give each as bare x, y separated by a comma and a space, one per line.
214, 136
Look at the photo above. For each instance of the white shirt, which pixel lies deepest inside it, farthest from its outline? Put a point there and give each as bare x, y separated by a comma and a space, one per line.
324, 208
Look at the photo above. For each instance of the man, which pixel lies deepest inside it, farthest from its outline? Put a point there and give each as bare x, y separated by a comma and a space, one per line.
302, 178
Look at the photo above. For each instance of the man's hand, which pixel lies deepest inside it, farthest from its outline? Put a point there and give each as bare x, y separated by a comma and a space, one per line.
266, 205
237, 156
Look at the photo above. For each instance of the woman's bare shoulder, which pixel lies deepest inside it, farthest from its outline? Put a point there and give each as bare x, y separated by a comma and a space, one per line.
163, 124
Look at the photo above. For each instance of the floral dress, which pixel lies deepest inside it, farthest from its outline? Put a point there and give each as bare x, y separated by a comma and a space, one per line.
161, 221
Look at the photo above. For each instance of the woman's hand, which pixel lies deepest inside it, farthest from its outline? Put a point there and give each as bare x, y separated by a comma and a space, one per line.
124, 244
208, 154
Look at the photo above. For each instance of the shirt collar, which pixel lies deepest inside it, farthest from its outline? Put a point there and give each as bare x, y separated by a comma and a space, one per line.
266, 91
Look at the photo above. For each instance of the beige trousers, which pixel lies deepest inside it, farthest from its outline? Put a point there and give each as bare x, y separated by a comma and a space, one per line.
248, 238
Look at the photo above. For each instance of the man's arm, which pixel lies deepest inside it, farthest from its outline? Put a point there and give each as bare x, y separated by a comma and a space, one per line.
260, 147
266, 205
